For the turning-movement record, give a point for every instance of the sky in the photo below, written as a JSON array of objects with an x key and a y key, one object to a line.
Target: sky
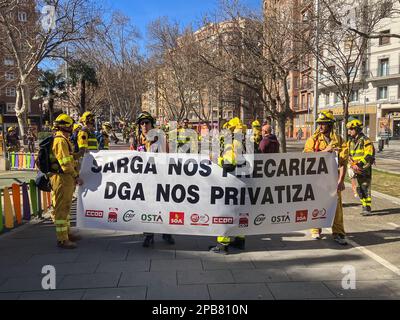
[{"x": 142, "y": 12}]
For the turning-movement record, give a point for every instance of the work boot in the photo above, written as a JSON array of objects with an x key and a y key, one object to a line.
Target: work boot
[
  {"x": 67, "y": 244},
  {"x": 74, "y": 237},
  {"x": 168, "y": 239},
  {"x": 238, "y": 243},
  {"x": 148, "y": 240},
  {"x": 366, "y": 211},
  {"x": 316, "y": 236},
  {"x": 340, "y": 238},
  {"x": 220, "y": 249}
]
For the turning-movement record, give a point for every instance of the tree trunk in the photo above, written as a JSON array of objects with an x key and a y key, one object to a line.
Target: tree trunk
[
  {"x": 282, "y": 133},
  {"x": 51, "y": 111},
  {"x": 345, "y": 117},
  {"x": 19, "y": 111},
  {"x": 83, "y": 96}
]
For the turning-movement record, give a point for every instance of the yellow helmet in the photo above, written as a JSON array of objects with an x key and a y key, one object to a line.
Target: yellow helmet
[
  {"x": 10, "y": 129},
  {"x": 233, "y": 123},
  {"x": 77, "y": 126},
  {"x": 64, "y": 120},
  {"x": 326, "y": 117},
  {"x": 107, "y": 126},
  {"x": 87, "y": 117},
  {"x": 256, "y": 124},
  {"x": 354, "y": 124}
]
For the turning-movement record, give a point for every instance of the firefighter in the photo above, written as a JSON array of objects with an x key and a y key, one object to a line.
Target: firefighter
[
  {"x": 145, "y": 123},
  {"x": 325, "y": 139},
  {"x": 229, "y": 159},
  {"x": 74, "y": 137},
  {"x": 12, "y": 140},
  {"x": 257, "y": 136},
  {"x": 103, "y": 136},
  {"x": 87, "y": 140},
  {"x": 361, "y": 158},
  {"x": 63, "y": 179},
  {"x": 183, "y": 137}
]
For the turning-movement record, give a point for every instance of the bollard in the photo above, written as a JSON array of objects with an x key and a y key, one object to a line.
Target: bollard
[
  {"x": 34, "y": 197},
  {"x": 8, "y": 211},
  {"x": 20, "y": 160},
  {"x": 32, "y": 161},
  {"x": 23, "y": 155},
  {"x": 40, "y": 207},
  {"x": 26, "y": 203},
  {"x": 44, "y": 201},
  {"x": 28, "y": 161},
  {"x": 16, "y": 195},
  {"x": 1, "y": 214},
  {"x": 16, "y": 160},
  {"x": 48, "y": 198},
  {"x": 12, "y": 157}
]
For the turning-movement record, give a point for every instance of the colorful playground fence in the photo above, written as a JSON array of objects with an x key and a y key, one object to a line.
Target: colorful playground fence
[
  {"x": 22, "y": 160},
  {"x": 21, "y": 202}
]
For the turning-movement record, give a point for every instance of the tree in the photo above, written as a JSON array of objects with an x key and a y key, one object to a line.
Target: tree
[
  {"x": 83, "y": 74},
  {"x": 259, "y": 56},
  {"x": 29, "y": 43},
  {"x": 120, "y": 68},
  {"x": 51, "y": 87}
]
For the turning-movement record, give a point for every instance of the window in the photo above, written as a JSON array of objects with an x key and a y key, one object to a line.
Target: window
[
  {"x": 215, "y": 114},
  {"x": 326, "y": 98},
  {"x": 22, "y": 16},
  {"x": 10, "y": 92},
  {"x": 337, "y": 98},
  {"x": 382, "y": 93},
  {"x": 384, "y": 40},
  {"x": 303, "y": 101},
  {"x": 296, "y": 102},
  {"x": 8, "y": 61},
  {"x": 383, "y": 67},
  {"x": 353, "y": 96},
  {"x": 10, "y": 76},
  {"x": 10, "y": 107}
]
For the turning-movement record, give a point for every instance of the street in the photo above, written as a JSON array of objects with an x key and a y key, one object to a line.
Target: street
[{"x": 114, "y": 265}]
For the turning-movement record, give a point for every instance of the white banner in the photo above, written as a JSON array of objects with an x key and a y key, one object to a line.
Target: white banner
[{"x": 188, "y": 194}]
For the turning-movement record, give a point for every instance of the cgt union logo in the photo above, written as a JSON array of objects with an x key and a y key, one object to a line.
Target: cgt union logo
[
  {"x": 94, "y": 214},
  {"x": 319, "y": 214},
  {"x": 128, "y": 216},
  {"x": 177, "y": 218},
  {"x": 243, "y": 220},
  {"x": 302, "y": 216},
  {"x": 259, "y": 219},
  {"x": 199, "y": 219},
  {"x": 113, "y": 215}
]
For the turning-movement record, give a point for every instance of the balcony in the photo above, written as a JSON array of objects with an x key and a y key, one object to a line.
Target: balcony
[
  {"x": 383, "y": 73},
  {"x": 307, "y": 85}
]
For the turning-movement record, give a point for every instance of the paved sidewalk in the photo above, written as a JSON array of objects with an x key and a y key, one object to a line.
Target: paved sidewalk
[{"x": 113, "y": 265}]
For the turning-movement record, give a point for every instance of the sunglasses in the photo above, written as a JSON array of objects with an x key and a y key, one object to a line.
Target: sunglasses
[{"x": 144, "y": 122}]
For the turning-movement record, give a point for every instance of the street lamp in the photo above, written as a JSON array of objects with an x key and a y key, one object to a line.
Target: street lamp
[{"x": 315, "y": 111}]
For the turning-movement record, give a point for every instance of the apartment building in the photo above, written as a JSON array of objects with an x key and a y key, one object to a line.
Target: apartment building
[
  {"x": 216, "y": 102},
  {"x": 375, "y": 98}
]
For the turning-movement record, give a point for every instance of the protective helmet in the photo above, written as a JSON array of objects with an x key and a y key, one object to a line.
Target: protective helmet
[
  {"x": 77, "y": 126},
  {"x": 145, "y": 116},
  {"x": 87, "y": 117},
  {"x": 107, "y": 125},
  {"x": 354, "y": 124},
  {"x": 64, "y": 121},
  {"x": 256, "y": 124},
  {"x": 233, "y": 123},
  {"x": 10, "y": 129},
  {"x": 326, "y": 117}
]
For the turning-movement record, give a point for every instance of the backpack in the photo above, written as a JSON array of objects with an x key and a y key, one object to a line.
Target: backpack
[{"x": 43, "y": 159}]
